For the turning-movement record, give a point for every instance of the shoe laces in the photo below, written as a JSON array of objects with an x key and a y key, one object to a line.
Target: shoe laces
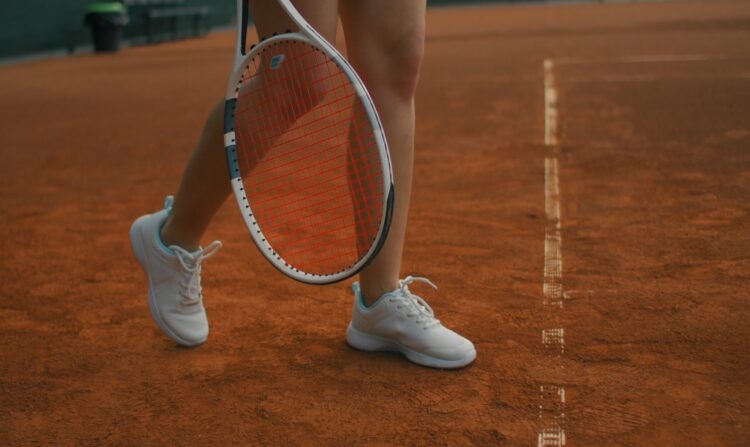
[
  {"x": 415, "y": 306},
  {"x": 191, "y": 291}
]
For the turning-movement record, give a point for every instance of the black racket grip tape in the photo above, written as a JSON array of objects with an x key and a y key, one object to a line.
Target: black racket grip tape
[{"x": 229, "y": 106}]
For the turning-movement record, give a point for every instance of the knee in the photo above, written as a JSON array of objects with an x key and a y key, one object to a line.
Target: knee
[
  {"x": 404, "y": 63},
  {"x": 393, "y": 64}
]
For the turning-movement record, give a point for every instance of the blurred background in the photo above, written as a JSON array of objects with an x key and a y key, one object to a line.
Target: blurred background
[{"x": 39, "y": 28}]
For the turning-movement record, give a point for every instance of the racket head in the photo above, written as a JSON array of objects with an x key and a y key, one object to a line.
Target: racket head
[{"x": 308, "y": 159}]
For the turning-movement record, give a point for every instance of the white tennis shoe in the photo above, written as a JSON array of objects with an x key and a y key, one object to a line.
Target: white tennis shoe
[
  {"x": 403, "y": 322},
  {"x": 174, "y": 279}
]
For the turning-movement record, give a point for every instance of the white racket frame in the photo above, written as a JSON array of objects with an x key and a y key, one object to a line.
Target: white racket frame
[{"x": 309, "y": 35}]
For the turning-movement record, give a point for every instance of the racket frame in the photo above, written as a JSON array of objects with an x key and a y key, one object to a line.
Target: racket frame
[{"x": 307, "y": 34}]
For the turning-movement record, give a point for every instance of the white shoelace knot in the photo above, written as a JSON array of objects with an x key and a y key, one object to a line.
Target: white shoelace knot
[
  {"x": 415, "y": 306},
  {"x": 190, "y": 284}
]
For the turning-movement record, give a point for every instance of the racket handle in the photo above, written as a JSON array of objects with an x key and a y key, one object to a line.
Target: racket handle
[{"x": 242, "y": 19}]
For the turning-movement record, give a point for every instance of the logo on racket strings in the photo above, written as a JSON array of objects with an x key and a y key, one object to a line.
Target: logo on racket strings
[{"x": 276, "y": 61}]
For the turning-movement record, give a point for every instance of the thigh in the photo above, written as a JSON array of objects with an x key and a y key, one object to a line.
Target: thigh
[{"x": 270, "y": 18}]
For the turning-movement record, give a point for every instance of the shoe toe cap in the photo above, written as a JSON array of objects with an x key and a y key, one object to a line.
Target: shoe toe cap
[
  {"x": 188, "y": 329},
  {"x": 459, "y": 349}
]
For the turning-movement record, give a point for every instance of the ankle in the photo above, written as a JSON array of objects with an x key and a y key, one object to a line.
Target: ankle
[
  {"x": 169, "y": 237},
  {"x": 372, "y": 291}
]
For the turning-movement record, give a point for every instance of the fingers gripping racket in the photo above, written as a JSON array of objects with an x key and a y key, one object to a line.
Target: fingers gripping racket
[{"x": 307, "y": 155}]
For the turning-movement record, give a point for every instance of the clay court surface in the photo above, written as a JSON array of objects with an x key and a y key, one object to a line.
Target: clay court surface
[{"x": 653, "y": 161}]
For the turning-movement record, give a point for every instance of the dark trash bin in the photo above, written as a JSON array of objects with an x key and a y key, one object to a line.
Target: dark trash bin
[{"x": 106, "y": 21}]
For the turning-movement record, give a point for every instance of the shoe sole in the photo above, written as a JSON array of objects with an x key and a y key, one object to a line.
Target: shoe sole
[
  {"x": 137, "y": 243},
  {"x": 366, "y": 342}
]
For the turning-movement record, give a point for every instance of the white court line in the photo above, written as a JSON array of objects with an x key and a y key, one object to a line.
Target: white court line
[
  {"x": 551, "y": 191},
  {"x": 550, "y": 105},
  {"x": 553, "y": 389},
  {"x": 552, "y": 400},
  {"x": 552, "y": 287},
  {"x": 551, "y": 437},
  {"x": 552, "y": 431},
  {"x": 554, "y": 338},
  {"x": 554, "y": 397}
]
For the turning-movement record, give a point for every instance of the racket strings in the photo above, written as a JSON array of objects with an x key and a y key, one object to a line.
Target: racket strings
[
  {"x": 286, "y": 156},
  {"x": 307, "y": 172},
  {"x": 312, "y": 165},
  {"x": 280, "y": 83}
]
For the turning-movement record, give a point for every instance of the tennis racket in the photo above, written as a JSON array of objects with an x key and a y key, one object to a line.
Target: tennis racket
[{"x": 307, "y": 156}]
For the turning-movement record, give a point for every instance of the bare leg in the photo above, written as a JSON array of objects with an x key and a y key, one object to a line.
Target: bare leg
[
  {"x": 205, "y": 184},
  {"x": 385, "y": 43}
]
